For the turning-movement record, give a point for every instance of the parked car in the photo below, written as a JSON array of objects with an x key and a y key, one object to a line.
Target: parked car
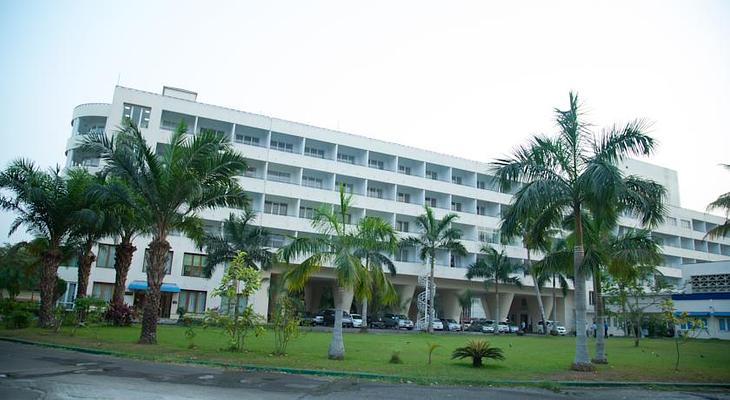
[
  {"x": 438, "y": 325},
  {"x": 307, "y": 319},
  {"x": 384, "y": 321},
  {"x": 553, "y": 325},
  {"x": 561, "y": 330},
  {"x": 404, "y": 322},
  {"x": 475, "y": 325},
  {"x": 328, "y": 318},
  {"x": 513, "y": 328},
  {"x": 489, "y": 326},
  {"x": 451, "y": 325},
  {"x": 502, "y": 327},
  {"x": 319, "y": 318},
  {"x": 356, "y": 320}
]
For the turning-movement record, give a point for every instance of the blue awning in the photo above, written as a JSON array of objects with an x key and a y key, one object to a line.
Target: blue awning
[
  {"x": 166, "y": 287},
  {"x": 694, "y": 313},
  {"x": 721, "y": 314}
]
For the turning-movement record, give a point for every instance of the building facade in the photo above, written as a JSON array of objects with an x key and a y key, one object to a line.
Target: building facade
[{"x": 293, "y": 168}]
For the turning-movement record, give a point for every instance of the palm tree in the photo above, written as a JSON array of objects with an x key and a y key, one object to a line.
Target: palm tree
[
  {"x": 46, "y": 203},
  {"x": 190, "y": 174},
  {"x": 239, "y": 235},
  {"x": 574, "y": 172},
  {"x": 434, "y": 235},
  {"x": 465, "y": 299},
  {"x": 335, "y": 246},
  {"x": 376, "y": 241},
  {"x": 557, "y": 271},
  {"x": 496, "y": 268},
  {"x": 721, "y": 203}
]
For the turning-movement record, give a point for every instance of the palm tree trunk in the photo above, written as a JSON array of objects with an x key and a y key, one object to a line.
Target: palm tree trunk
[
  {"x": 540, "y": 306},
  {"x": 364, "y": 315},
  {"x": 84, "y": 270},
  {"x": 159, "y": 247},
  {"x": 555, "y": 304},
  {"x": 498, "y": 314},
  {"x": 581, "y": 362},
  {"x": 600, "y": 356},
  {"x": 336, "y": 350},
  {"x": 122, "y": 261},
  {"x": 50, "y": 258},
  {"x": 432, "y": 298}
]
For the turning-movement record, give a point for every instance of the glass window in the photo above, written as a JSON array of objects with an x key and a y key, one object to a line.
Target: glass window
[
  {"x": 193, "y": 264},
  {"x": 67, "y": 301},
  {"x": 139, "y": 115},
  {"x": 401, "y": 226},
  {"x": 481, "y": 185},
  {"x": 456, "y": 180},
  {"x": 193, "y": 301},
  {"x": 376, "y": 164},
  {"x": 306, "y": 212},
  {"x": 282, "y": 146},
  {"x": 455, "y": 206},
  {"x": 347, "y": 158},
  {"x": 311, "y": 181},
  {"x": 105, "y": 258},
  {"x": 431, "y": 201},
  {"x": 168, "y": 264},
  {"x": 404, "y": 197},
  {"x": 432, "y": 175},
  {"x": 375, "y": 192},
  {"x": 313, "y": 152},
  {"x": 404, "y": 170},
  {"x": 103, "y": 291},
  {"x": 725, "y": 324},
  {"x": 348, "y": 187},
  {"x": 279, "y": 176},
  {"x": 250, "y": 172},
  {"x": 271, "y": 207}
]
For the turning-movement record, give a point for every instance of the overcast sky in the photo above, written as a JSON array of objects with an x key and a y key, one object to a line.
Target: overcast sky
[{"x": 471, "y": 79}]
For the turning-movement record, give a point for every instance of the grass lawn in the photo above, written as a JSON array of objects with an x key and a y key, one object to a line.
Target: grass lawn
[{"x": 527, "y": 358}]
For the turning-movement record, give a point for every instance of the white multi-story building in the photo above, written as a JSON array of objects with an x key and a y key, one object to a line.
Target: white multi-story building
[{"x": 293, "y": 168}]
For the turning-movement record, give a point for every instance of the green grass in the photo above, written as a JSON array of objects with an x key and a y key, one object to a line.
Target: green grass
[{"x": 527, "y": 358}]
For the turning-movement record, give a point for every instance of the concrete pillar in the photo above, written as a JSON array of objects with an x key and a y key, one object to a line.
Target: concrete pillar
[
  {"x": 450, "y": 304},
  {"x": 406, "y": 295},
  {"x": 316, "y": 297},
  {"x": 547, "y": 302},
  {"x": 505, "y": 302},
  {"x": 487, "y": 306},
  {"x": 308, "y": 298},
  {"x": 260, "y": 299},
  {"x": 566, "y": 312}
]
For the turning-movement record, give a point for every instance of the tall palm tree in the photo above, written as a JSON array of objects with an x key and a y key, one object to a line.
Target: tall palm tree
[
  {"x": 190, "y": 174},
  {"x": 557, "y": 271},
  {"x": 496, "y": 268},
  {"x": 376, "y": 241},
  {"x": 46, "y": 204},
  {"x": 721, "y": 203},
  {"x": 239, "y": 234},
  {"x": 335, "y": 246},
  {"x": 434, "y": 235},
  {"x": 577, "y": 171}
]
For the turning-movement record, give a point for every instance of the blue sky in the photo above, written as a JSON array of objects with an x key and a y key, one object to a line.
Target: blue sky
[{"x": 472, "y": 79}]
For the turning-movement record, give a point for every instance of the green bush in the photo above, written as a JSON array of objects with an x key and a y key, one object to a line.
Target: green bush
[
  {"x": 395, "y": 358},
  {"x": 18, "y": 319},
  {"x": 476, "y": 350}
]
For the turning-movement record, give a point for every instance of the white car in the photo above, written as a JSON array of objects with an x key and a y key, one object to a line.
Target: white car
[
  {"x": 404, "y": 322},
  {"x": 452, "y": 325},
  {"x": 356, "y": 320},
  {"x": 502, "y": 327},
  {"x": 561, "y": 330},
  {"x": 488, "y": 326},
  {"x": 438, "y": 325},
  {"x": 553, "y": 325}
]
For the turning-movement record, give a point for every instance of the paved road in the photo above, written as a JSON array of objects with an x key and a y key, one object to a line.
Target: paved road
[{"x": 30, "y": 372}]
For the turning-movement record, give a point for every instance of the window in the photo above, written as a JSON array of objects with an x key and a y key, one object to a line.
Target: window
[
  {"x": 193, "y": 264},
  {"x": 671, "y": 221},
  {"x": 346, "y": 158},
  {"x": 591, "y": 297},
  {"x": 455, "y": 261},
  {"x": 306, "y": 212},
  {"x": 402, "y": 169},
  {"x": 456, "y": 180},
  {"x": 431, "y": 201},
  {"x": 250, "y": 172},
  {"x": 139, "y": 115},
  {"x": 105, "y": 257},
  {"x": 313, "y": 152},
  {"x": 432, "y": 175},
  {"x": 481, "y": 210},
  {"x": 277, "y": 241},
  {"x": 348, "y": 187},
  {"x": 401, "y": 226},
  {"x": 103, "y": 291},
  {"x": 404, "y": 197},
  {"x": 488, "y": 236},
  {"x": 213, "y": 131},
  {"x": 455, "y": 206},
  {"x": 481, "y": 185},
  {"x": 68, "y": 299},
  {"x": 686, "y": 224},
  {"x": 375, "y": 192},
  {"x": 168, "y": 264},
  {"x": 272, "y": 207},
  {"x": 724, "y": 324},
  {"x": 376, "y": 164},
  {"x": 282, "y": 146},
  {"x": 279, "y": 176},
  {"x": 249, "y": 140},
  {"x": 193, "y": 301},
  {"x": 348, "y": 219},
  {"x": 401, "y": 255},
  {"x": 311, "y": 181}
]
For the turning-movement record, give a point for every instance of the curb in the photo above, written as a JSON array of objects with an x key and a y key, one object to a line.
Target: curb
[{"x": 369, "y": 375}]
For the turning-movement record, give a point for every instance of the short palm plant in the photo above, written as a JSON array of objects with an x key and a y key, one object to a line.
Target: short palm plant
[{"x": 477, "y": 350}]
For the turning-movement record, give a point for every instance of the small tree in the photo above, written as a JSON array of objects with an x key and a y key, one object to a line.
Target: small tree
[
  {"x": 239, "y": 282},
  {"x": 285, "y": 323},
  {"x": 690, "y": 327},
  {"x": 476, "y": 350}
]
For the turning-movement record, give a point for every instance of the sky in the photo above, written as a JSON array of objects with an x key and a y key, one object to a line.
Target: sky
[{"x": 467, "y": 78}]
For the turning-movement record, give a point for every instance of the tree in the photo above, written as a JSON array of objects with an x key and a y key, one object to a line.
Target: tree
[
  {"x": 376, "y": 240},
  {"x": 495, "y": 268},
  {"x": 239, "y": 234},
  {"x": 721, "y": 203},
  {"x": 45, "y": 203},
  {"x": 190, "y": 174},
  {"x": 690, "y": 327},
  {"x": 335, "y": 246},
  {"x": 18, "y": 269},
  {"x": 464, "y": 298},
  {"x": 577, "y": 171},
  {"x": 434, "y": 235}
]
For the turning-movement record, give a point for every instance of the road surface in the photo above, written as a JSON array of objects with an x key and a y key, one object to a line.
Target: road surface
[{"x": 31, "y": 372}]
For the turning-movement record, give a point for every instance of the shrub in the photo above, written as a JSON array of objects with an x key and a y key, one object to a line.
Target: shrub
[
  {"x": 476, "y": 350},
  {"x": 431, "y": 348},
  {"x": 395, "y": 358},
  {"x": 285, "y": 323},
  {"x": 18, "y": 319},
  {"x": 119, "y": 314}
]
